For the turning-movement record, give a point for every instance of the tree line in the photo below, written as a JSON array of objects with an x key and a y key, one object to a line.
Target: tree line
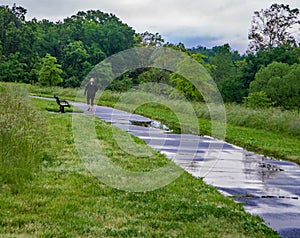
[{"x": 62, "y": 53}]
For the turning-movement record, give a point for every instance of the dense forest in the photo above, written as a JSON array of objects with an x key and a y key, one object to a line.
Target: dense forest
[{"x": 62, "y": 53}]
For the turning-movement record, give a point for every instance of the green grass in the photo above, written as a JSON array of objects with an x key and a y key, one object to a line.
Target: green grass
[
  {"x": 271, "y": 132},
  {"x": 21, "y": 131},
  {"x": 69, "y": 93},
  {"x": 52, "y": 106},
  {"x": 65, "y": 200},
  {"x": 276, "y": 144}
]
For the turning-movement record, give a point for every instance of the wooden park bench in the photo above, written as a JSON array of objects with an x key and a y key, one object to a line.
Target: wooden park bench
[{"x": 62, "y": 104}]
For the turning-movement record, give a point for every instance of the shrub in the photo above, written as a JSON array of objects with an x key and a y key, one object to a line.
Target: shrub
[{"x": 258, "y": 100}]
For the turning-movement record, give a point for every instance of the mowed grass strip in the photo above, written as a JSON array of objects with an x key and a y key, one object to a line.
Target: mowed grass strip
[{"x": 65, "y": 200}]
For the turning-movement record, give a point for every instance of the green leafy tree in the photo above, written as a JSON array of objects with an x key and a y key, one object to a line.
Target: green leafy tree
[
  {"x": 223, "y": 63},
  {"x": 50, "y": 72},
  {"x": 252, "y": 63},
  {"x": 232, "y": 90},
  {"x": 95, "y": 54},
  {"x": 34, "y": 72},
  {"x": 285, "y": 90},
  {"x": 106, "y": 30},
  {"x": 186, "y": 88},
  {"x": 273, "y": 27},
  {"x": 78, "y": 43},
  {"x": 118, "y": 37},
  {"x": 225, "y": 66},
  {"x": 15, "y": 34},
  {"x": 281, "y": 83},
  {"x": 189, "y": 88},
  {"x": 264, "y": 75},
  {"x": 121, "y": 84},
  {"x": 11, "y": 69},
  {"x": 49, "y": 38},
  {"x": 75, "y": 63},
  {"x": 16, "y": 39}
]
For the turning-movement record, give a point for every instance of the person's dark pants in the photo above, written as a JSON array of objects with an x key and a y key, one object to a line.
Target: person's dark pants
[{"x": 90, "y": 99}]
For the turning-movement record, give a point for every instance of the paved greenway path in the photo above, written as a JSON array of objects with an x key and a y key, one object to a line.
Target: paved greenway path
[{"x": 268, "y": 188}]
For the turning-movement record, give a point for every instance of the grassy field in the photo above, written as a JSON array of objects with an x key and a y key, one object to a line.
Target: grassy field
[
  {"x": 63, "y": 199},
  {"x": 271, "y": 132}
]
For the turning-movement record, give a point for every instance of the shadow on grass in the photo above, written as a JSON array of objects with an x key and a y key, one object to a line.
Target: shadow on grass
[
  {"x": 54, "y": 108},
  {"x": 67, "y": 110}
]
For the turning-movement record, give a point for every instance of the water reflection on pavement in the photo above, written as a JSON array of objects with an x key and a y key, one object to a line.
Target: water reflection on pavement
[{"x": 268, "y": 188}]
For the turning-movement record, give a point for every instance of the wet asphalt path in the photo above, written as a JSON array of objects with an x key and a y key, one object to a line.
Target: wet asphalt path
[{"x": 268, "y": 188}]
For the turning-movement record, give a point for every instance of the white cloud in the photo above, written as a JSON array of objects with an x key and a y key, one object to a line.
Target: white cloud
[{"x": 218, "y": 21}]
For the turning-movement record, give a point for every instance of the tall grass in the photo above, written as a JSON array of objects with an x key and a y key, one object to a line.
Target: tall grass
[
  {"x": 50, "y": 91},
  {"x": 21, "y": 136},
  {"x": 270, "y": 119}
]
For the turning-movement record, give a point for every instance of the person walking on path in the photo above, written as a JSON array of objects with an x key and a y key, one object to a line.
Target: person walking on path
[{"x": 90, "y": 92}]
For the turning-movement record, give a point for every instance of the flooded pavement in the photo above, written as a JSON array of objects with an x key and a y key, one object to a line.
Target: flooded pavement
[{"x": 267, "y": 188}]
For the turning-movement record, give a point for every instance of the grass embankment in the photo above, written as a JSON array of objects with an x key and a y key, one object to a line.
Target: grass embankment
[{"x": 65, "y": 200}]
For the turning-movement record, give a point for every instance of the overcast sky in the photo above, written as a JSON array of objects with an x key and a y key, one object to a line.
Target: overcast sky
[{"x": 192, "y": 22}]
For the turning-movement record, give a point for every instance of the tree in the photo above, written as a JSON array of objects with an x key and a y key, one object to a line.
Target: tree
[
  {"x": 285, "y": 90},
  {"x": 11, "y": 69},
  {"x": 96, "y": 55},
  {"x": 49, "y": 38},
  {"x": 75, "y": 64},
  {"x": 15, "y": 35},
  {"x": 232, "y": 89},
  {"x": 281, "y": 83},
  {"x": 49, "y": 74},
  {"x": 16, "y": 43},
  {"x": 253, "y": 62},
  {"x": 190, "y": 88},
  {"x": 223, "y": 63},
  {"x": 148, "y": 39},
  {"x": 117, "y": 37},
  {"x": 273, "y": 27},
  {"x": 106, "y": 30},
  {"x": 78, "y": 43}
]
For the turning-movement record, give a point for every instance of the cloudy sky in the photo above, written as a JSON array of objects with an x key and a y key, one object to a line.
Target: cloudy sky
[{"x": 192, "y": 22}]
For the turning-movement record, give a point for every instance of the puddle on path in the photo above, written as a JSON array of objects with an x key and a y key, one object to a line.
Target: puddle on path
[{"x": 268, "y": 188}]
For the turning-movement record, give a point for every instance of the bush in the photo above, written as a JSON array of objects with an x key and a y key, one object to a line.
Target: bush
[{"x": 258, "y": 100}]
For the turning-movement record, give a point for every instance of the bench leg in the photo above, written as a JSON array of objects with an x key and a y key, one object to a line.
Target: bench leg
[{"x": 62, "y": 109}]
